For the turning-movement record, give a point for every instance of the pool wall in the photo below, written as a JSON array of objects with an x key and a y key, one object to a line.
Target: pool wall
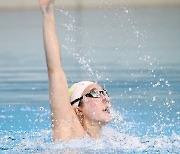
[{"x": 26, "y": 4}]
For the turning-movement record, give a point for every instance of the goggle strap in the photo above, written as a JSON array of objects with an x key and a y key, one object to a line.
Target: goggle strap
[
  {"x": 76, "y": 100},
  {"x": 104, "y": 92}
]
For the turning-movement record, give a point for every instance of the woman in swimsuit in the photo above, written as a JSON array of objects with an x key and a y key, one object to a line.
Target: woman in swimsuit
[{"x": 76, "y": 112}]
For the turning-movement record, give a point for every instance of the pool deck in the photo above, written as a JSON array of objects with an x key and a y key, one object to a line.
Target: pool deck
[{"x": 75, "y": 4}]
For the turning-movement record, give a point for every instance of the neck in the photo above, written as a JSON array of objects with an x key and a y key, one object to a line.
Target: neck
[{"x": 92, "y": 128}]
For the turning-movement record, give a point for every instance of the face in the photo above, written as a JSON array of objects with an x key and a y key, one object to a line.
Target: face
[{"x": 96, "y": 109}]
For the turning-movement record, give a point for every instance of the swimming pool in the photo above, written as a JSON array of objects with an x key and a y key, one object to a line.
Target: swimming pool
[{"x": 134, "y": 53}]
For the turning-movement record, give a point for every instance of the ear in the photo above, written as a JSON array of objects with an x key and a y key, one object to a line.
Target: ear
[{"x": 78, "y": 110}]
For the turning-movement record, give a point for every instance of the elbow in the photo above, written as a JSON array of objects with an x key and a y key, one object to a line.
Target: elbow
[
  {"x": 51, "y": 70},
  {"x": 57, "y": 73},
  {"x": 54, "y": 70}
]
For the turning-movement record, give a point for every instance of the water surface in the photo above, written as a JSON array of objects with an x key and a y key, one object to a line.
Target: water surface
[{"x": 134, "y": 53}]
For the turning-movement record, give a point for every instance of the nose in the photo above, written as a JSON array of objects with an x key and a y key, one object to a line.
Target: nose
[{"x": 105, "y": 99}]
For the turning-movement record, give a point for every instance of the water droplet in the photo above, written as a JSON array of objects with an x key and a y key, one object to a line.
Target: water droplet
[
  {"x": 41, "y": 108},
  {"x": 126, "y": 11}
]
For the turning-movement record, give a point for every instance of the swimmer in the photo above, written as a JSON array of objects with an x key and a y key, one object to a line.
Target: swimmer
[{"x": 76, "y": 112}]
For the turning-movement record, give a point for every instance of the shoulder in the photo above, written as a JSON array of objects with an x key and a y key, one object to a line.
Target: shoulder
[{"x": 69, "y": 128}]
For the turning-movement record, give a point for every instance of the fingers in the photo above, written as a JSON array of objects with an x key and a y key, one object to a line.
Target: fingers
[
  {"x": 46, "y": 5},
  {"x": 50, "y": 6}
]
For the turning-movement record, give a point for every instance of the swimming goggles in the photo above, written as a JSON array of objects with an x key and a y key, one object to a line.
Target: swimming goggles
[{"x": 94, "y": 93}]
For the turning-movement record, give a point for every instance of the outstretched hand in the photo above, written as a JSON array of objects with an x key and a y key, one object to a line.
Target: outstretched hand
[{"x": 46, "y": 6}]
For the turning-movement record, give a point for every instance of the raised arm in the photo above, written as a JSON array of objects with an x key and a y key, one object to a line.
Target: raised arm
[
  {"x": 51, "y": 44},
  {"x": 61, "y": 110}
]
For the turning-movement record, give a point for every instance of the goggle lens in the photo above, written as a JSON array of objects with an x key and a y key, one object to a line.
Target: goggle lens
[
  {"x": 96, "y": 93},
  {"x": 93, "y": 93}
]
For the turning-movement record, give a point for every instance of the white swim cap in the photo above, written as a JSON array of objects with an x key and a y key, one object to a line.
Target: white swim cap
[{"x": 76, "y": 90}]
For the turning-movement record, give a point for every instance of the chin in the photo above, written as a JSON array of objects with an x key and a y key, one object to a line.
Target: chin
[{"x": 106, "y": 120}]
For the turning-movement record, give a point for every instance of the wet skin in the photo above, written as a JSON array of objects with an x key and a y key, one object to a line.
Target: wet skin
[{"x": 96, "y": 109}]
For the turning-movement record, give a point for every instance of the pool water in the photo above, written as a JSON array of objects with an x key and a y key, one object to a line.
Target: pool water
[{"x": 133, "y": 53}]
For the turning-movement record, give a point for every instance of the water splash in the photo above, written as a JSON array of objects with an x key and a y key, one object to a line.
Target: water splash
[
  {"x": 112, "y": 140},
  {"x": 83, "y": 58}
]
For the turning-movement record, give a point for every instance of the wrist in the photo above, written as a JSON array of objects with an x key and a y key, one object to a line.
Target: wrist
[
  {"x": 49, "y": 9},
  {"x": 48, "y": 15}
]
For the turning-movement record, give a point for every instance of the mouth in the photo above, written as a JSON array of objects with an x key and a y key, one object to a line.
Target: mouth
[{"x": 107, "y": 110}]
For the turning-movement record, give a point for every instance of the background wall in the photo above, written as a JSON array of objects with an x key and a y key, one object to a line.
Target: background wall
[{"x": 33, "y": 4}]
